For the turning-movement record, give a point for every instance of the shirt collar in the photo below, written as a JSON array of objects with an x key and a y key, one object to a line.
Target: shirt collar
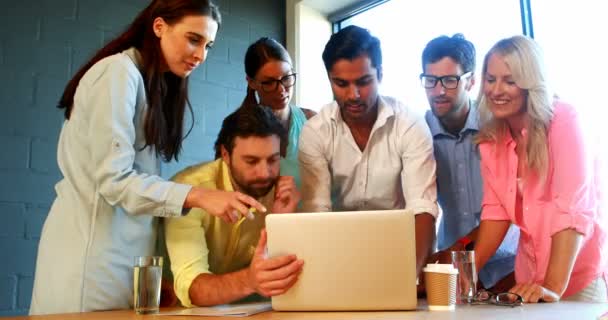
[
  {"x": 471, "y": 123},
  {"x": 508, "y": 138},
  {"x": 384, "y": 112},
  {"x": 223, "y": 180},
  {"x": 135, "y": 56}
]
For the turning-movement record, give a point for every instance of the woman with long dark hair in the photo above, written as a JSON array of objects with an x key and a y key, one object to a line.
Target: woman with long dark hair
[
  {"x": 270, "y": 79},
  {"x": 124, "y": 113}
]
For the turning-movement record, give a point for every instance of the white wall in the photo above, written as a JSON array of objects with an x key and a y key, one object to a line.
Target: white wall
[{"x": 307, "y": 32}]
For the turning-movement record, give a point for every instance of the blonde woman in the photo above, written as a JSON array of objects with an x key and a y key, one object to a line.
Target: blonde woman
[{"x": 539, "y": 174}]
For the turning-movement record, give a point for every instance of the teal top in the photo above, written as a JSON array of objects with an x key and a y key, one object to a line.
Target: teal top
[{"x": 289, "y": 165}]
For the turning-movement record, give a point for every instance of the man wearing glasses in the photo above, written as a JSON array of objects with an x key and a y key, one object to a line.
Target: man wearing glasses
[
  {"x": 365, "y": 151},
  {"x": 448, "y": 65}
]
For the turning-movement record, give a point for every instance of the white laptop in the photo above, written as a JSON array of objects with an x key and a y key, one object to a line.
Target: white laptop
[{"x": 363, "y": 260}]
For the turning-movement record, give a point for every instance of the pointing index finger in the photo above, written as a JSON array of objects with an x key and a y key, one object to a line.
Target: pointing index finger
[{"x": 251, "y": 202}]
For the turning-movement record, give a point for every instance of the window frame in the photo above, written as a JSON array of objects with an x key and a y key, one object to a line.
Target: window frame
[{"x": 337, "y": 19}]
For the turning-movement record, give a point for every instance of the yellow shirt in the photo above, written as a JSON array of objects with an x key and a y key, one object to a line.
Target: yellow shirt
[{"x": 201, "y": 243}]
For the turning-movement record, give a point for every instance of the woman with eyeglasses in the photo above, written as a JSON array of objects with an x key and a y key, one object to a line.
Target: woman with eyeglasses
[
  {"x": 270, "y": 77},
  {"x": 539, "y": 173}
]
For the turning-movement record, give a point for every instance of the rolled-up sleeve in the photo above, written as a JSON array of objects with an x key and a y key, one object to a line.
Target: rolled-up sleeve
[
  {"x": 114, "y": 98},
  {"x": 186, "y": 239},
  {"x": 314, "y": 171},
  {"x": 573, "y": 182},
  {"x": 188, "y": 252},
  {"x": 491, "y": 207},
  {"x": 418, "y": 176}
]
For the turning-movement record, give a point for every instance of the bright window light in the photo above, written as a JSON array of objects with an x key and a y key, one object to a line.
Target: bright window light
[
  {"x": 574, "y": 49},
  {"x": 405, "y": 27}
]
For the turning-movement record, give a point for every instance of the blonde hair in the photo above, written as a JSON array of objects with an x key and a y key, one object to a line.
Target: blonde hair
[{"x": 524, "y": 59}]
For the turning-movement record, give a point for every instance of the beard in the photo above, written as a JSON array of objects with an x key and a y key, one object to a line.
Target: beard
[
  {"x": 262, "y": 188},
  {"x": 254, "y": 188}
]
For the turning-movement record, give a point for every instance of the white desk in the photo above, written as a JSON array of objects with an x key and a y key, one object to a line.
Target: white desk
[{"x": 540, "y": 311}]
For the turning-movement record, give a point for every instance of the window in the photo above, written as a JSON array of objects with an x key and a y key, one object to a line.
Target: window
[
  {"x": 405, "y": 27},
  {"x": 571, "y": 35}
]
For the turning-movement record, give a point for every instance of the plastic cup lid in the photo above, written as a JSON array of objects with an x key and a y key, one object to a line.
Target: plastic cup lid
[{"x": 440, "y": 268}]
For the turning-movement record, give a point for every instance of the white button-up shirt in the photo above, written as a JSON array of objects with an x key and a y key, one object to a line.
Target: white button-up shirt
[{"x": 395, "y": 170}]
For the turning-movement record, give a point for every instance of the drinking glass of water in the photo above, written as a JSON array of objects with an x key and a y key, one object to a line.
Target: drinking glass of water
[
  {"x": 464, "y": 261},
  {"x": 147, "y": 275}
]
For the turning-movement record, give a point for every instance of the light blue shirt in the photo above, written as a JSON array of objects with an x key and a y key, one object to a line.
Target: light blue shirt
[
  {"x": 107, "y": 202},
  {"x": 460, "y": 190}
]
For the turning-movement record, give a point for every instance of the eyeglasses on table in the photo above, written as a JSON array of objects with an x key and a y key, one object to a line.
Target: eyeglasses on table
[{"x": 507, "y": 299}]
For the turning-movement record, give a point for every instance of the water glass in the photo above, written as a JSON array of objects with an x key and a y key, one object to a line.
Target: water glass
[
  {"x": 464, "y": 261},
  {"x": 147, "y": 276}
]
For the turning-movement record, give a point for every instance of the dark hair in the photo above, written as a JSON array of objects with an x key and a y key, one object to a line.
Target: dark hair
[
  {"x": 167, "y": 94},
  {"x": 247, "y": 121},
  {"x": 258, "y": 54},
  {"x": 351, "y": 43},
  {"x": 459, "y": 49}
]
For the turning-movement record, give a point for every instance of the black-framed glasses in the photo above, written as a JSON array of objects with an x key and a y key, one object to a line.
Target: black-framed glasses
[
  {"x": 507, "y": 299},
  {"x": 271, "y": 85},
  {"x": 449, "y": 82}
]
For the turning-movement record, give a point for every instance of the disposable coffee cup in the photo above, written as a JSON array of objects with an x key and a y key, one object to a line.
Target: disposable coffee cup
[{"x": 440, "y": 282}]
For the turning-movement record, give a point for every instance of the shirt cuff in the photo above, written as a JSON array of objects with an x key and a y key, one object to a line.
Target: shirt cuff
[
  {"x": 493, "y": 212},
  {"x": 174, "y": 206},
  {"x": 423, "y": 206},
  {"x": 580, "y": 222}
]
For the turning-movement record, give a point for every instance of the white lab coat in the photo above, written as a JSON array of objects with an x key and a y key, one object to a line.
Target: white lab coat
[{"x": 104, "y": 212}]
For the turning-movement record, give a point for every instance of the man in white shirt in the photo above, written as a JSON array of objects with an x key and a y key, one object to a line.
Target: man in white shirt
[{"x": 365, "y": 151}]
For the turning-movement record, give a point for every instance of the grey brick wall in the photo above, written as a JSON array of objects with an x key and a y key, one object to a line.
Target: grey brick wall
[{"x": 42, "y": 42}]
